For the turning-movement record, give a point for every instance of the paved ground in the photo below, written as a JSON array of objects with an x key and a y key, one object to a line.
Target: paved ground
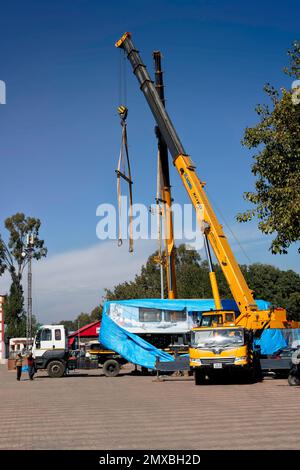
[{"x": 135, "y": 412}]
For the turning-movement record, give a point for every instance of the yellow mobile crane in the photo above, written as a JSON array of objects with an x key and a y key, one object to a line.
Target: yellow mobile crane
[{"x": 223, "y": 338}]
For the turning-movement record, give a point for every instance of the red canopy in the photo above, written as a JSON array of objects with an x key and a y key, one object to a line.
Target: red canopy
[{"x": 87, "y": 331}]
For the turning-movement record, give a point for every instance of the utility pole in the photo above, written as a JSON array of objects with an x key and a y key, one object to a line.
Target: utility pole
[
  {"x": 78, "y": 334},
  {"x": 28, "y": 251}
]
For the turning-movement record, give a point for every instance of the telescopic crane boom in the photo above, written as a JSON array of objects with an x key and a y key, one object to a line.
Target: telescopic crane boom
[{"x": 250, "y": 316}]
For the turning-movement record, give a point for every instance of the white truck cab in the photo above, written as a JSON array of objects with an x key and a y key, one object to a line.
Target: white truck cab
[
  {"x": 50, "y": 349},
  {"x": 49, "y": 337}
]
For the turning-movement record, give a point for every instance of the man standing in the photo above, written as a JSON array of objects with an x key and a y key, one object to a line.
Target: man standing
[
  {"x": 18, "y": 365},
  {"x": 31, "y": 366}
]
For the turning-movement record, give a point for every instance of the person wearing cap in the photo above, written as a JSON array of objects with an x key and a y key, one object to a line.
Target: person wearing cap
[{"x": 18, "y": 365}]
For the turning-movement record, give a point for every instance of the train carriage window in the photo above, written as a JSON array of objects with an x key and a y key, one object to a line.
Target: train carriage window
[
  {"x": 175, "y": 316},
  {"x": 150, "y": 315}
]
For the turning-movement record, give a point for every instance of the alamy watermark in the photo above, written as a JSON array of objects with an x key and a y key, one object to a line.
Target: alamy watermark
[
  {"x": 145, "y": 222},
  {"x": 296, "y": 92},
  {"x": 2, "y": 92}
]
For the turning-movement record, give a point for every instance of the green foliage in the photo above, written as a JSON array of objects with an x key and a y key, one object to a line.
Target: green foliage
[
  {"x": 68, "y": 324},
  {"x": 96, "y": 314},
  {"x": 276, "y": 166},
  {"x": 191, "y": 273},
  {"x": 145, "y": 285},
  {"x": 294, "y": 54},
  {"x": 15, "y": 318},
  {"x": 83, "y": 319},
  {"x": 14, "y": 256},
  {"x": 281, "y": 288},
  {"x": 293, "y": 306}
]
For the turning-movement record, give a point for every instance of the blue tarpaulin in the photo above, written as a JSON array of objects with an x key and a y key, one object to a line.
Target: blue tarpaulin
[
  {"x": 272, "y": 340},
  {"x": 138, "y": 351},
  {"x": 191, "y": 305},
  {"x": 128, "y": 345}
]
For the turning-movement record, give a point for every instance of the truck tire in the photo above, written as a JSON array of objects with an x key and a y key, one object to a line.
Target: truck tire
[
  {"x": 254, "y": 374},
  {"x": 293, "y": 380},
  {"x": 199, "y": 377},
  {"x": 258, "y": 374},
  {"x": 111, "y": 368},
  {"x": 55, "y": 369}
]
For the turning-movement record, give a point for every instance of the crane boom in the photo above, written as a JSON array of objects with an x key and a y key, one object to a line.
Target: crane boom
[{"x": 195, "y": 188}]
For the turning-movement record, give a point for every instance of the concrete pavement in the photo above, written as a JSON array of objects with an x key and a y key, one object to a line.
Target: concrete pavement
[{"x": 135, "y": 412}]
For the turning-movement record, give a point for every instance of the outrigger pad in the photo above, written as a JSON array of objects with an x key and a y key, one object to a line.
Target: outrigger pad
[{"x": 179, "y": 363}]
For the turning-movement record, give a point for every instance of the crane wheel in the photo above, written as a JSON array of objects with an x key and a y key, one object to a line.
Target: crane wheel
[{"x": 199, "y": 377}]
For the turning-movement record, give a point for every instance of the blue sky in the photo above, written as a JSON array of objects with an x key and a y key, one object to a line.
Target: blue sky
[{"x": 60, "y": 133}]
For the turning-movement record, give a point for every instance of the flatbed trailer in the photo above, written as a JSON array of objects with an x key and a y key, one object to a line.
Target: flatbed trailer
[{"x": 279, "y": 367}]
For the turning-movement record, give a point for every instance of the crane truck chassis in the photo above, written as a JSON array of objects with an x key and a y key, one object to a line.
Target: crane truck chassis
[
  {"x": 224, "y": 351},
  {"x": 215, "y": 353}
]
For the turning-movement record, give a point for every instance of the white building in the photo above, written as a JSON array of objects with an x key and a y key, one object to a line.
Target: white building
[{"x": 16, "y": 345}]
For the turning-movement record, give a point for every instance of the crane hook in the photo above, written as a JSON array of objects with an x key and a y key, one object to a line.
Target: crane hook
[{"x": 123, "y": 112}]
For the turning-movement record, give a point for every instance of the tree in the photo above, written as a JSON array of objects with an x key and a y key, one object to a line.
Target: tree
[
  {"x": 14, "y": 315},
  {"x": 145, "y": 285},
  {"x": 14, "y": 256},
  {"x": 96, "y": 313},
  {"x": 191, "y": 273},
  {"x": 293, "y": 306},
  {"x": 69, "y": 325},
  {"x": 83, "y": 319},
  {"x": 277, "y": 164}
]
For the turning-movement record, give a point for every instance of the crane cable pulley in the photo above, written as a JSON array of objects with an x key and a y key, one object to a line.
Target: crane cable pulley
[{"x": 121, "y": 173}]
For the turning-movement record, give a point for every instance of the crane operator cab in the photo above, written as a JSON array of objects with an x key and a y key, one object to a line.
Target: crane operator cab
[{"x": 215, "y": 318}]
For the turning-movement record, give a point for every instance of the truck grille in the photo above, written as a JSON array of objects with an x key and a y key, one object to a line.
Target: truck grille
[{"x": 222, "y": 360}]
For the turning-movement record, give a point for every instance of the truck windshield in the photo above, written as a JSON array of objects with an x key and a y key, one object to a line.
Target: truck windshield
[
  {"x": 218, "y": 337},
  {"x": 208, "y": 320}
]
